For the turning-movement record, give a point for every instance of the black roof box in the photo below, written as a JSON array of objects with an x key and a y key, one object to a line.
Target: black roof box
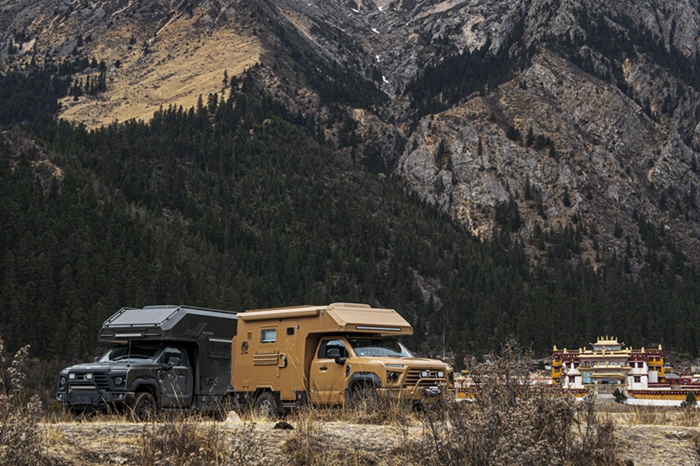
[{"x": 182, "y": 323}]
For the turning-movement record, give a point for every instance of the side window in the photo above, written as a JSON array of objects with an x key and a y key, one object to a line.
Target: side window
[
  {"x": 220, "y": 349},
  {"x": 268, "y": 335},
  {"x": 330, "y": 345}
]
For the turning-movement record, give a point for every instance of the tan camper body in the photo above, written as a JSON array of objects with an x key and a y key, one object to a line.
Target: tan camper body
[{"x": 288, "y": 356}]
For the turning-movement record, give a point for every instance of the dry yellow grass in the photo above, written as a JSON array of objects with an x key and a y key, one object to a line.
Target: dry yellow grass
[
  {"x": 117, "y": 442},
  {"x": 185, "y": 61}
]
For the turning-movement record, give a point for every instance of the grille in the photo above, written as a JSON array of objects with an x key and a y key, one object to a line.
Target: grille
[
  {"x": 413, "y": 378},
  {"x": 99, "y": 380}
]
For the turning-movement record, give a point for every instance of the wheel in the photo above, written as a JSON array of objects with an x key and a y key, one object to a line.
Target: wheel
[
  {"x": 266, "y": 405},
  {"x": 143, "y": 408}
]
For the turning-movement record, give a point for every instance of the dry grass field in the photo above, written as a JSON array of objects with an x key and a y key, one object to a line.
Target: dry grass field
[
  {"x": 183, "y": 61},
  {"x": 644, "y": 436}
]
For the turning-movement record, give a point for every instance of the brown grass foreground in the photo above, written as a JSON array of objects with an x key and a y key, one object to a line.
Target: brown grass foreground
[{"x": 504, "y": 425}]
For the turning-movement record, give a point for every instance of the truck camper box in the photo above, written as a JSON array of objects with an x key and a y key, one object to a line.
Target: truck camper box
[
  {"x": 206, "y": 332},
  {"x": 337, "y": 317}
]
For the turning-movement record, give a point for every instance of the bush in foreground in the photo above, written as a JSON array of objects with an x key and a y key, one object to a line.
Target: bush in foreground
[
  {"x": 21, "y": 441},
  {"x": 512, "y": 422}
]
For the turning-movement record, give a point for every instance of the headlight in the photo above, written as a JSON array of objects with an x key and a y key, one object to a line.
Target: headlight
[
  {"x": 88, "y": 376},
  {"x": 425, "y": 374},
  {"x": 62, "y": 381},
  {"x": 118, "y": 381},
  {"x": 71, "y": 376},
  {"x": 440, "y": 374},
  {"x": 392, "y": 376}
]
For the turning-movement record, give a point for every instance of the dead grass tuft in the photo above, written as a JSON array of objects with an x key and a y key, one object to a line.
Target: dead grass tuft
[
  {"x": 184, "y": 440},
  {"x": 310, "y": 444},
  {"x": 689, "y": 416},
  {"x": 370, "y": 407},
  {"x": 646, "y": 415}
]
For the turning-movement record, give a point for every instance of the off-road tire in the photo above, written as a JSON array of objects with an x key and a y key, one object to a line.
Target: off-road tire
[
  {"x": 143, "y": 408},
  {"x": 266, "y": 405}
]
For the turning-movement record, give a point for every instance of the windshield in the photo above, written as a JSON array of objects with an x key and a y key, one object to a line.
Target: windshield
[
  {"x": 136, "y": 353},
  {"x": 383, "y": 347}
]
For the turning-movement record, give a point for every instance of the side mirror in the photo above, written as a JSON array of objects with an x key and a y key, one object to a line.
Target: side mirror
[
  {"x": 340, "y": 361},
  {"x": 95, "y": 359},
  {"x": 334, "y": 353},
  {"x": 173, "y": 361}
]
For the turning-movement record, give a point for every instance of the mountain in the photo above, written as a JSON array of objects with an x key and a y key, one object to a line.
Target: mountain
[
  {"x": 601, "y": 99},
  {"x": 555, "y": 144}
]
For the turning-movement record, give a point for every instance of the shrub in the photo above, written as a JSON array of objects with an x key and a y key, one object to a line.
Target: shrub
[
  {"x": 619, "y": 396},
  {"x": 512, "y": 133},
  {"x": 21, "y": 441},
  {"x": 512, "y": 422},
  {"x": 690, "y": 401}
]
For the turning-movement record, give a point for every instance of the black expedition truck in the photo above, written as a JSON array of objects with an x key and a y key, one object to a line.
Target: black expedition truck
[{"x": 163, "y": 357}]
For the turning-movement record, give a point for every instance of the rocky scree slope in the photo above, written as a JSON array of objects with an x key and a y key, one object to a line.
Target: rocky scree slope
[{"x": 601, "y": 100}]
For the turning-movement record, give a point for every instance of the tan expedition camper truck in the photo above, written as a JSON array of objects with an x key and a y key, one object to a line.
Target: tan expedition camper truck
[{"x": 285, "y": 357}]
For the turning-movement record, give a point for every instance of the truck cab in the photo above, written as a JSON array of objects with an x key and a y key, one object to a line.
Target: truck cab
[
  {"x": 345, "y": 365},
  {"x": 326, "y": 355},
  {"x": 162, "y": 357}
]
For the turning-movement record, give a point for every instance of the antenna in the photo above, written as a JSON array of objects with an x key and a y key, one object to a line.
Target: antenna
[{"x": 443, "y": 341}]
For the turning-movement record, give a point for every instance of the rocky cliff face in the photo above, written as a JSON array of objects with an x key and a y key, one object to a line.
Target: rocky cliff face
[
  {"x": 607, "y": 162},
  {"x": 590, "y": 128},
  {"x": 605, "y": 121}
]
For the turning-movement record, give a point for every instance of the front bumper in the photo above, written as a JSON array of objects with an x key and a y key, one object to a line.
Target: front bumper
[
  {"x": 83, "y": 398},
  {"x": 426, "y": 392}
]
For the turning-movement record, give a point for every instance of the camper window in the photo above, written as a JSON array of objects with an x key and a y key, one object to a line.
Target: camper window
[
  {"x": 268, "y": 335},
  {"x": 220, "y": 349}
]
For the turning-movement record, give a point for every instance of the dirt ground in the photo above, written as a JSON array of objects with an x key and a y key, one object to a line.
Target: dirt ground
[
  {"x": 120, "y": 442},
  {"x": 116, "y": 442}
]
